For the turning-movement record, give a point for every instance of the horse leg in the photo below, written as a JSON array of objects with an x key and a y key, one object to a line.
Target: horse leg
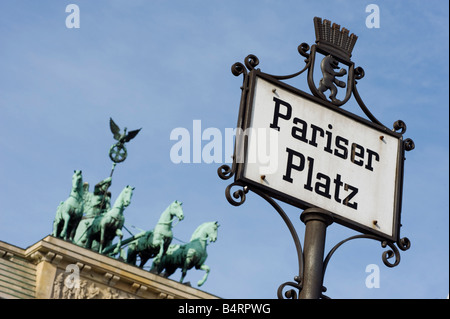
[
  {"x": 71, "y": 234},
  {"x": 190, "y": 255},
  {"x": 57, "y": 220},
  {"x": 88, "y": 243},
  {"x": 164, "y": 264},
  {"x": 119, "y": 243},
  {"x": 158, "y": 257},
  {"x": 143, "y": 261},
  {"x": 169, "y": 270},
  {"x": 56, "y": 226},
  {"x": 102, "y": 237},
  {"x": 183, "y": 273},
  {"x": 157, "y": 268},
  {"x": 131, "y": 254},
  {"x": 205, "y": 276},
  {"x": 66, "y": 218}
]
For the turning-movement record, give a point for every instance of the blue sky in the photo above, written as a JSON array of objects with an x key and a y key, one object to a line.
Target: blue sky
[{"x": 161, "y": 65}]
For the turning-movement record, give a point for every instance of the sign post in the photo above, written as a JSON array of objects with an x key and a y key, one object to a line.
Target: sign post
[
  {"x": 306, "y": 151},
  {"x": 316, "y": 221}
]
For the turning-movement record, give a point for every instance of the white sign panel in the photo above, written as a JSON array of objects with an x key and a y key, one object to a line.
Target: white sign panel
[{"x": 308, "y": 154}]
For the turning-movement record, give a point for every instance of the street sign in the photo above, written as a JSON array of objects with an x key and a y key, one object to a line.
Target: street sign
[{"x": 307, "y": 152}]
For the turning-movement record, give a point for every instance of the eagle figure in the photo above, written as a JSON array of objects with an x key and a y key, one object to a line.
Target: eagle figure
[{"x": 122, "y": 138}]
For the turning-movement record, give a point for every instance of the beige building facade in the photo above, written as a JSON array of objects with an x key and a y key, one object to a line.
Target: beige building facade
[{"x": 55, "y": 269}]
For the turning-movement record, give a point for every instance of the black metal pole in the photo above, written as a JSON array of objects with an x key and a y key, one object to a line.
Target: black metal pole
[{"x": 316, "y": 221}]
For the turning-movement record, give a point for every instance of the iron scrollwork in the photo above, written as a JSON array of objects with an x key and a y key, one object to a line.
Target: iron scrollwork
[
  {"x": 237, "y": 198},
  {"x": 291, "y": 293},
  {"x": 403, "y": 244}
]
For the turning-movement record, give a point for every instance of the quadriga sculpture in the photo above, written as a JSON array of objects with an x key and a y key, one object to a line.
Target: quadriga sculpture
[
  {"x": 105, "y": 227},
  {"x": 154, "y": 243},
  {"x": 69, "y": 212},
  {"x": 192, "y": 254}
]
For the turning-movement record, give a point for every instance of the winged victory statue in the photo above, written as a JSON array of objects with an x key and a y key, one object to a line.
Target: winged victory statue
[{"x": 118, "y": 152}]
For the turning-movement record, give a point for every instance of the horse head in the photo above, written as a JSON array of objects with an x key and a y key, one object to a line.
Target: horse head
[
  {"x": 176, "y": 210},
  {"x": 212, "y": 231},
  {"x": 125, "y": 195},
  {"x": 205, "y": 231},
  {"x": 124, "y": 198},
  {"x": 77, "y": 180}
]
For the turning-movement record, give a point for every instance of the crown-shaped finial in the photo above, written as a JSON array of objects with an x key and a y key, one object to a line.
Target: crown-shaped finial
[{"x": 332, "y": 39}]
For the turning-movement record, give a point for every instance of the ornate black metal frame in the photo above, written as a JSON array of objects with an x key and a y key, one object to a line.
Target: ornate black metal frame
[{"x": 238, "y": 197}]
